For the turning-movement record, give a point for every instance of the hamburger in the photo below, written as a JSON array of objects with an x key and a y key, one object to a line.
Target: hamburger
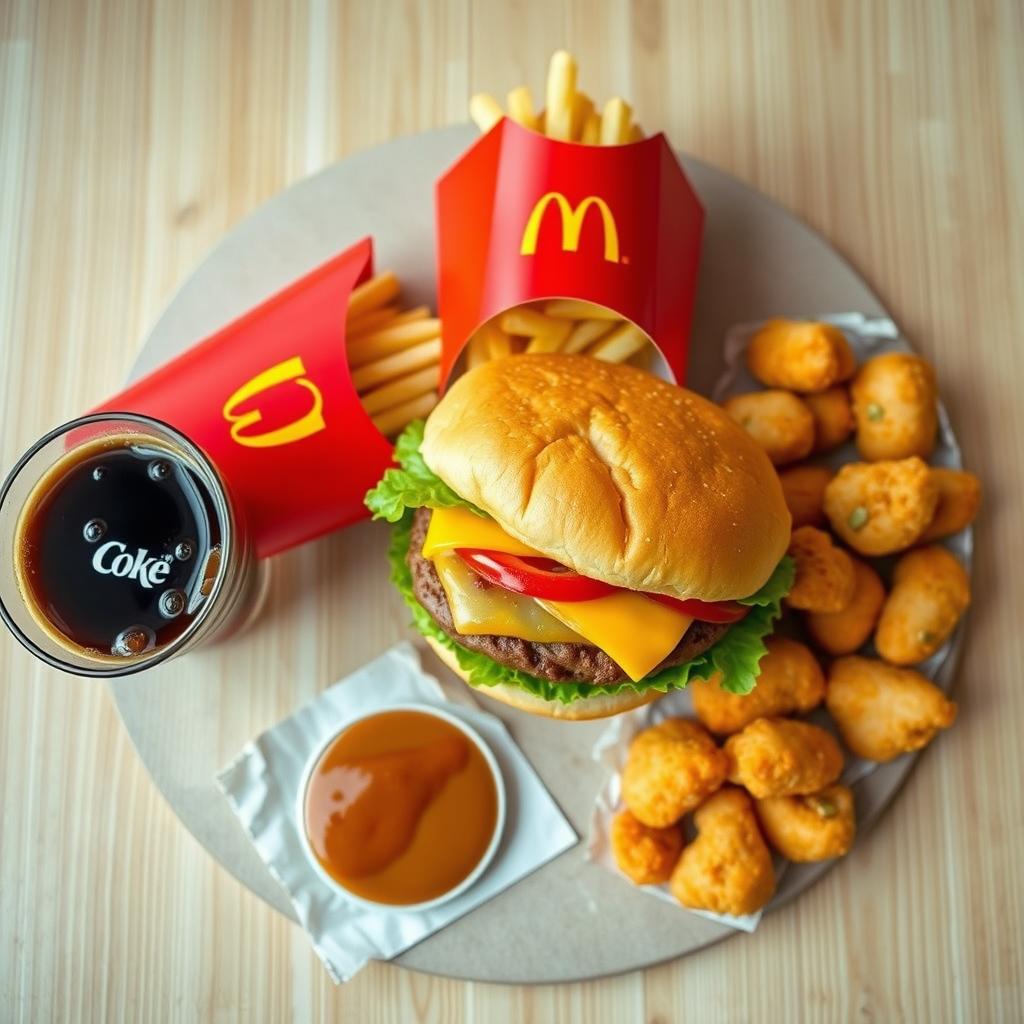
[{"x": 576, "y": 538}]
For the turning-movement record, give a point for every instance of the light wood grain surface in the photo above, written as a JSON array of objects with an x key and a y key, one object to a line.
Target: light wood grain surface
[{"x": 133, "y": 134}]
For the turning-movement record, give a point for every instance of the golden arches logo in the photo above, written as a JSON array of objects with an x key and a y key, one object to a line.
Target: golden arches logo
[
  {"x": 572, "y": 224},
  {"x": 291, "y": 370}
]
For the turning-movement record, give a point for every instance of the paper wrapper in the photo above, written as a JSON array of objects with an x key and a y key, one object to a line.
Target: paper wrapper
[
  {"x": 867, "y": 337},
  {"x": 270, "y": 399},
  {"x": 522, "y": 217},
  {"x": 262, "y": 785}
]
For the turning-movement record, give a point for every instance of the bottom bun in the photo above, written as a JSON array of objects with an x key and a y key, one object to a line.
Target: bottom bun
[{"x": 599, "y": 706}]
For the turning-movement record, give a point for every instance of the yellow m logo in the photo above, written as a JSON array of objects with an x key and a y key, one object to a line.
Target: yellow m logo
[
  {"x": 311, "y": 423},
  {"x": 572, "y": 225}
]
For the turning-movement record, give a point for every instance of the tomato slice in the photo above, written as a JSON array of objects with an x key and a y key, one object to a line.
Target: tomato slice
[
  {"x": 549, "y": 580},
  {"x": 534, "y": 577},
  {"x": 706, "y": 611}
]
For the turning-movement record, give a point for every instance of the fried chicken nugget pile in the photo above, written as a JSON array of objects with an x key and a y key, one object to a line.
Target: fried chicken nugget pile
[
  {"x": 818, "y": 826},
  {"x": 670, "y": 769},
  {"x": 727, "y": 869},
  {"x": 782, "y": 757}
]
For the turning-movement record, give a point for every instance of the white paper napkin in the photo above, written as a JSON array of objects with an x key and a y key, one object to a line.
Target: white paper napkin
[{"x": 262, "y": 785}]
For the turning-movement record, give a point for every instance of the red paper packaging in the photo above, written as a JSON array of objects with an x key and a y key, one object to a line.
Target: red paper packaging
[
  {"x": 523, "y": 217},
  {"x": 270, "y": 399}
]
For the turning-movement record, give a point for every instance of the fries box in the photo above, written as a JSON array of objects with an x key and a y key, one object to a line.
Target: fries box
[
  {"x": 270, "y": 399},
  {"x": 521, "y": 216}
]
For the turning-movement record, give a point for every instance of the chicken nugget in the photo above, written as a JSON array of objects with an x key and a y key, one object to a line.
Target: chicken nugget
[
  {"x": 930, "y": 593},
  {"x": 727, "y": 869},
  {"x": 777, "y": 420},
  {"x": 959, "y": 500},
  {"x": 825, "y": 580},
  {"x": 643, "y": 854},
  {"x": 790, "y": 680},
  {"x": 882, "y": 711},
  {"x": 895, "y": 407},
  {"x": 670, "y": 769},
  {"x": 818, "y": 826},
  {"x": 844, "y": 631},
  {"x": 881, "y": 507},
  {"x": 781, "y": 757},
  {"x": 799, "y": 355},
  {"x": 803, "y": 488},
  {"x": 833, "y": 418}
]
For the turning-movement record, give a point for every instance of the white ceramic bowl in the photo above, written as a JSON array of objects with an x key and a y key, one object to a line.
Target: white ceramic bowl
[{"x": 488, "y": 855}]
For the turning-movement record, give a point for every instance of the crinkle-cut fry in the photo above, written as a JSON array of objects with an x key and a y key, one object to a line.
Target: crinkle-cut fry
[
  {"x": 582, "y": 108},
  {"x": 615, "y": 121},
  {"x": 405, "y": 389},
  {"x": 561, "y": 88},
  {"x": 577, "y": 309},
  {"x": 391, "y": 422},
  {"x": 370, "y": 321},
  {"x": 530, "y": 322},
  {"x": 520, "y": 107},
  {"x": 485, "y": 110},
  {"x": 425, "y": 353},
  {"x": 585, "y": 333},
  {"x": 376, "y": 292},
  {"x": 618, "y": 346},
  {"x": 390, "y": 339},
  {"x": 591, "y": 133}
]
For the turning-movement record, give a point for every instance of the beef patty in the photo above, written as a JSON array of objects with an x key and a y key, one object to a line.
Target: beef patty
[{"x": 559, "y": 662}]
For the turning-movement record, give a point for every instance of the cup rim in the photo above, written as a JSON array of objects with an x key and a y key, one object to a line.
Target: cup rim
[
  {"x": 485, "y": 859},
  {"x": 224, "y": 508}
]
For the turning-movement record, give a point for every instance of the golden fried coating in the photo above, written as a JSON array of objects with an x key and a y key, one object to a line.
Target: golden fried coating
[
  {"x": 833, "y": 418},
  {"x": 645, "y": 855},
  {"x": 825, "y": 579},
  {"x": 959, "y": 500},
  {"x": 882, "y": 711},
  {"x": 777, "y": 420},
  {"x": 881, "y": 507},
  {"x": 781, "y": 757},
  {"x": 727, "y": 869},
  {"x": 843, "y": 632},
  {"x": 803, "y": 487},
  {"x": 799, "y": 355},
  {"x": 930, "y": 592},
  {"x": 894, "y": 405},
  {"x": 818, "y": 826},
  {"x": 669, "y": 770},
  {"x": 790, "y": 680}
]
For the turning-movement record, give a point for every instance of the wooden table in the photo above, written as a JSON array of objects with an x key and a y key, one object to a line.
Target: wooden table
[{"x": 132, "y": 135}]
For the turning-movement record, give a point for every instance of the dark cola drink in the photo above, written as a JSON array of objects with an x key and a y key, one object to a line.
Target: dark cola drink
[{"x": 125, "y": 548}]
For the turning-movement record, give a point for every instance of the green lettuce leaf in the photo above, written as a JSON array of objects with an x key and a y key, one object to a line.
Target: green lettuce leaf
[{"x": 413, "y": 485}]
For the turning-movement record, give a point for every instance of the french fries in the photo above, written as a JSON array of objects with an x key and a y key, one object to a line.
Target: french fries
[
  {"x": 569, "y": 326},
  {"x": 570, "y": 115},
  {"x": 394, "y": 355}
]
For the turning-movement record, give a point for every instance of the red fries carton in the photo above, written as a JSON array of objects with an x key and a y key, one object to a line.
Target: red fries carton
[
  {"x": 521, "y": 216},
  {"x": 270, "y": 399}
]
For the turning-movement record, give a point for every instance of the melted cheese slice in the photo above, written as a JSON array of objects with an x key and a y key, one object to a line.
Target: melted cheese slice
[
  {"x": 459, "y": 528},
  {"x": 480, "y": 608},
  {"x": 634, "y": 631}
]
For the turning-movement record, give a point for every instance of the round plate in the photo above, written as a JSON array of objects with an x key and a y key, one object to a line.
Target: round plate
[{"x": 331, "y": 608}]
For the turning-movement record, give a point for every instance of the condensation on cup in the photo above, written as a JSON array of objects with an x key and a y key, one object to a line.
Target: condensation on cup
[{"x": 122, "y": 548}]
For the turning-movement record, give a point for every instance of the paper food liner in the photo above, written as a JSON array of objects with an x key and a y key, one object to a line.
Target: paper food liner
[
  {"x": 523, "y": 217},
  {"x": 262, "y": 785},
  {"x": 270, "y": 400},
  {"x": 868, "y": 336}
]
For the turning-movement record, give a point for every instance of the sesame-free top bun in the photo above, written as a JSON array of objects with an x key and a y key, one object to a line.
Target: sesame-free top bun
[{"x": 613, "y": 472}]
